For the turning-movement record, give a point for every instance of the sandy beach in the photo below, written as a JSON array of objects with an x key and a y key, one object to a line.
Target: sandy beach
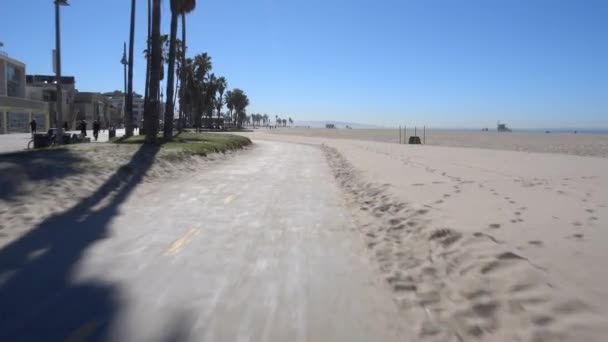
[
  {"x": 481, "y": 244},
  {"x": 563, "y": 143}
]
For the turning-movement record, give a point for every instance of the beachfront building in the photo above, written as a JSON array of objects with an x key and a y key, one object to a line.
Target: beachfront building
[
  {"x": 91, "y": 106},
  {"x": 17, "y": 109},
  {"x": 117, "y": 102},
  {"x": 44, "y": 88}
]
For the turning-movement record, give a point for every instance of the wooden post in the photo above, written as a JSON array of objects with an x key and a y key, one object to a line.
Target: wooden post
[{"x": 424, "y": 135}]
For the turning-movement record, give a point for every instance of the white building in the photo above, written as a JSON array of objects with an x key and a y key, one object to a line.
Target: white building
[
  {"x": 117, "y": 102},
  {"x": 16, "y": 109}
]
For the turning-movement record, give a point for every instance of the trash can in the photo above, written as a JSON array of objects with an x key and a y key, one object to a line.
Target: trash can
[{"x": 414, "y": 140}]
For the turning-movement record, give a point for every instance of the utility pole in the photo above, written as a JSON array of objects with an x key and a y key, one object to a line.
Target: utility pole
[
  {"x": 124, "y": 62},
  {"x": 59, "y": 98}
]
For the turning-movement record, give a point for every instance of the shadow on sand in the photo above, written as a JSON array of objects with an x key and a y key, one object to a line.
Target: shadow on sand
[
  {"x": 38, "y": 299},
  {"x": 20, "y": 167}
]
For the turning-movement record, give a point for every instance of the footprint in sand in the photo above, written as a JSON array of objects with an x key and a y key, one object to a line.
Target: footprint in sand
[
  {"x": 536, "y": 242},
  {"x": 494, "y": 225},
  {"x": 577, "y": 224}
]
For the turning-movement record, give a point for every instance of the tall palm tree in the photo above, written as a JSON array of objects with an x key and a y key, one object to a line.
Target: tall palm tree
[
  {"x": 240, "y": 102},
  {"x": 155, "y": 70},
  {"x": 186, "y": 7},
  {"x": 290, "y": 122},
  {"x": 201, "y": 67},
  {"x": 129, "y": 94},
  {"x": 148, "y": 48},
  {"x": 221, "y": 85},
  {"x": 177, "y": 8},
  {"x": 228, "y": 98}
]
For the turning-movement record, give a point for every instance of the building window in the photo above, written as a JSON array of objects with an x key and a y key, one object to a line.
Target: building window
[
  {"x": 17, "y": 122},
  {"x": 13, "y": 80}
]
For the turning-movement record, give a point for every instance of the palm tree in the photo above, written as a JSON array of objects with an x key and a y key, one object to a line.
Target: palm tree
[
  {"x": 187, "y": 7},
  {"x": 149, "y": 47},
  {"x": 155, "y": 70},
  {"x": 240, "y": 102},
  {"x": 210, "y": 89},
  {"x": 290, "y": 122},
  {"x": 229, "y": 103},
  {"x": 200, "y": 68},
  {"x": 221, "y": 85},
  {"x": 265, "y": 119},
  {"x": 129, "y": 94},
  {"x": 178, "y": 7}
]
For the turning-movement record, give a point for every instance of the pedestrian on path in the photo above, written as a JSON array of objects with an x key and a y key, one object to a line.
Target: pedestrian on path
[
  {"x": 83, "y": 128},
  {"x": 33, "y": 125},
  {"x": 96, "y": 129}
]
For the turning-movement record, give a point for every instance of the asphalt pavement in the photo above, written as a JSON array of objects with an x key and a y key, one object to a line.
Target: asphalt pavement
[{"x": 258, "y": 247}]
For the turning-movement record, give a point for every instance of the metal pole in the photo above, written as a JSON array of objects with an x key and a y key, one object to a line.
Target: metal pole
[
  {"x": 415, "y": 132},
  {"x": 399, "y": 134},
  {"x": 59, "y": 98},
  {"x": 424, "y": 135},
  {"x": 405, "y": 134}
]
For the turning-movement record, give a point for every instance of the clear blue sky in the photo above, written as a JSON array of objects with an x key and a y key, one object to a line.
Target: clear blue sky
[{"x": 447, "y": 63}]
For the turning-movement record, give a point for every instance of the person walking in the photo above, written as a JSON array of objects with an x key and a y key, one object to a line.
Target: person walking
[
  {"x": 83, "y": 128},
  {"x": 96, "y": 127},
  {"x": 33, "y": 125}
]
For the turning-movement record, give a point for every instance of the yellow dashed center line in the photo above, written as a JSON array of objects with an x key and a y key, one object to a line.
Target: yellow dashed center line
[
  {"x": 83, "y": 332},
  {"x": 229, "y": 199},
  {"x": 182, "y": 242}
]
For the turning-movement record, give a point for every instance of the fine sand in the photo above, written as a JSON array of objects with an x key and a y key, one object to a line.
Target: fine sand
[
  {"x": 565, "y": 143},
  {"x": 480, "y": 244},
  {"x": 35, "y": 185}
]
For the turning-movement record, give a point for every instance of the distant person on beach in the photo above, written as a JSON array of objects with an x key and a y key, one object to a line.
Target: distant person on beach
[
  {"x": 33, "y": 126},
  {"x": 96, "y": 129}
]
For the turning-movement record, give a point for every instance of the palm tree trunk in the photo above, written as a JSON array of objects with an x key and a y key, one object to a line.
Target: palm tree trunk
[
  {"x": 155, "y": 67},
  {"x": 183, "y": 76},
  {"x": 169, "y": 108},
  {"x": 148, "y": 43},
  {"x": 129, "y": 95}
]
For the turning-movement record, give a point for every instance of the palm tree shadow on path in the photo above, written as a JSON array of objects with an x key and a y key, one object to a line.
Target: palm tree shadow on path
[{"x": 38, "y": 299}]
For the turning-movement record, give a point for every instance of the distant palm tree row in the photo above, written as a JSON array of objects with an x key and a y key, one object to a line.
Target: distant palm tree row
[
  {"x": 264, "y": 120},
  {"x": 202, "y": 94}
]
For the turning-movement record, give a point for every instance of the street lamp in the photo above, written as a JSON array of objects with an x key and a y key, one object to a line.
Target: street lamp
[{"x": 59, "y": 107}]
